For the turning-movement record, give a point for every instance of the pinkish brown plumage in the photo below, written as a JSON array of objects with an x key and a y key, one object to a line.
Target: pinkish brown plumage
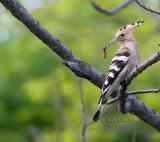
[{"x": 125, "y": 60}]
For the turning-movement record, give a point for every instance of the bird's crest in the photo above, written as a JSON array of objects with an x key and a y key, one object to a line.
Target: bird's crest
[
  {"x": 126, "y": 29},
  {"x": 132, "y": 26}
]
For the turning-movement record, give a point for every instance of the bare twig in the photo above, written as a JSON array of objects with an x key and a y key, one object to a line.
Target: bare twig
[
  {"x": 84, "y": 119},
  {"x": 85, "y": 124},
  {"x": 111, "y": 11},
  {"x": 149, "y": 62},
  {"x": 143, "y": 91},
  {"x": 111, "y": 101},
  {"x": 81, "y": 68},
  {"x": 147, "y": 8}
]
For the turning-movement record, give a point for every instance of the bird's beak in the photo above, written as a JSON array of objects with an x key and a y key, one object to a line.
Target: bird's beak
[
  {"x": 108, "y": 45},
  {"x": 112, "y": 41}
]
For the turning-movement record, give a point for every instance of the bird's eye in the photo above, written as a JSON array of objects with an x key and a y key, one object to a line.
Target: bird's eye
[{"x": 122, "y": 35}]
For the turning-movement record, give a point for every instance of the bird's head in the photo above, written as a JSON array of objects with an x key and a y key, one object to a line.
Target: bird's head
[{"x": 125, "y": 33}]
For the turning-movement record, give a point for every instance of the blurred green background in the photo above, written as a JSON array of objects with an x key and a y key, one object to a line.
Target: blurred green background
[{"x": 40, "y": 98}]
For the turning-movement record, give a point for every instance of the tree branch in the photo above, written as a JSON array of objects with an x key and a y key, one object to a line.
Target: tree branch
[
  {"x": 111, "y": 101},
  {"x": 84, "y": 70},
  {"x": 145, "y": 113},
  {"x": 134, "y": 106},
  {"x": 143, "y": 91},
  {"x": 152, "y": 60},
  {"x": 146, "y": 8},
  {"x": 34, "y": 26},
  {"x": 111, "y": 11},
  {"x": 80, "y": 68}
]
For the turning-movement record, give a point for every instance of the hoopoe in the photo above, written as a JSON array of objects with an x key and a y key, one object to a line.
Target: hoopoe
[{"x": 125, "y": 60}]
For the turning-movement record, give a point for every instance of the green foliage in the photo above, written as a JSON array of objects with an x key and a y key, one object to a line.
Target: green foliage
[{"x": 39, "y": 97}]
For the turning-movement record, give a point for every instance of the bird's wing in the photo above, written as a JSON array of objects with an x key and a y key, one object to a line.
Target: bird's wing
[{"x": 118, "y": 63}]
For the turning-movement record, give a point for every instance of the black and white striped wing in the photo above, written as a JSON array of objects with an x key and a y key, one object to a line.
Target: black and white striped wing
[{"x": 118, "y": 63}]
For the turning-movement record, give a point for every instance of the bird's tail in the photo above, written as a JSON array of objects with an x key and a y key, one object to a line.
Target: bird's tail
[{"x": 97, "y": 114}]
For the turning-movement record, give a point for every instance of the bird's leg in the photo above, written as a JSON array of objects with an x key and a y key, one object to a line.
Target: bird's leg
[{"x": 115, "y": 93}]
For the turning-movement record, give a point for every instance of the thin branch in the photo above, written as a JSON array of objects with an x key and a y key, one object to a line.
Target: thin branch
[
  {"x": 111, "y": 101},
  {"x": 149, "y": 62},
  {"x": 84, "y": 119},
  {"x": 147, "y": 8},
  {"x": 143, "y": 91},
  {"x": 81, "y": 68},
  {"x": 111, "y": 11}
]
